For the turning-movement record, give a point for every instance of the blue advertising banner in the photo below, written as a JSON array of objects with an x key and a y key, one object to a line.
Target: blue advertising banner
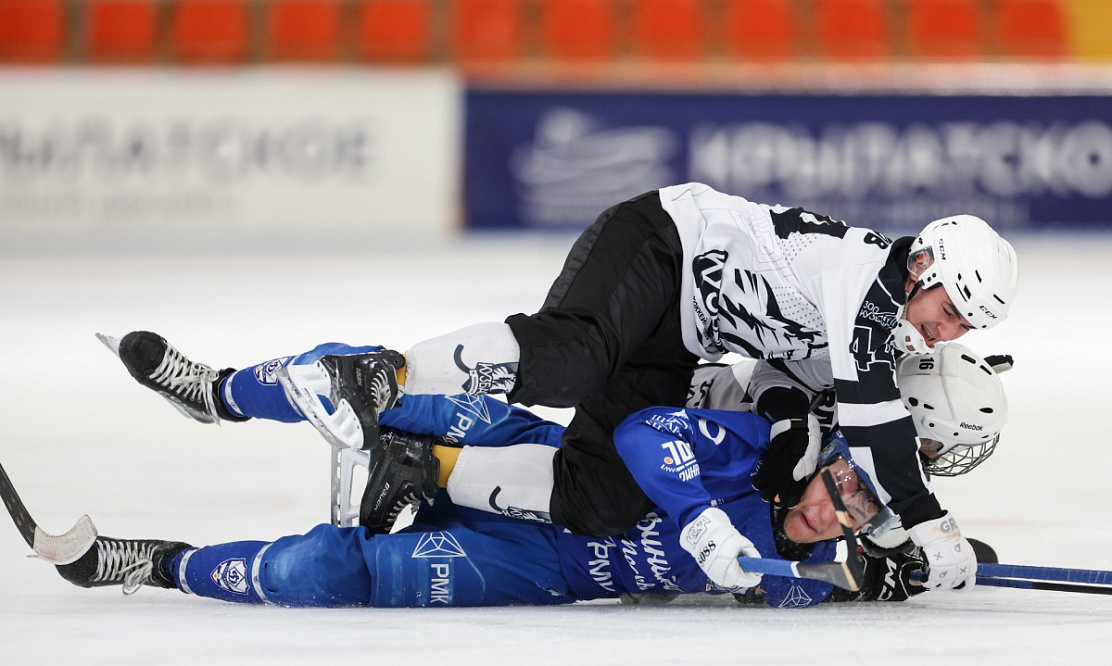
[{"x": 555, "y": 160}]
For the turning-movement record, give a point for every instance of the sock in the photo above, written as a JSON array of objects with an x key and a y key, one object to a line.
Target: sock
[
  {"x": 448, "y": 456},
  {"x": 255, "y": 392},
  {"x": 476, "y": 360},
  {"x": 227, "y": 571},
  {"x": 512, "y": 480}
]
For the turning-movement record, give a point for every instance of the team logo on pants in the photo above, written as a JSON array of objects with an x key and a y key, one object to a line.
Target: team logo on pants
[
  {"x": 438, "y": 544},
  {"x": 231, "y": 575},
  {"x": 266, "y": 373}
]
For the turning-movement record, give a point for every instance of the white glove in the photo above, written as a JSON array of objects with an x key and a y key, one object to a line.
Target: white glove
[
  {"x": 951, "y": 562},
  {"x": 715, "y": 544}
]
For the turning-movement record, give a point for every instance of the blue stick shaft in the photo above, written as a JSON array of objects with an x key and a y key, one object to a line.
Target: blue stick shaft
[
  {"x": 1090, "y": 576},
  {"x": 768, "y": 565}
]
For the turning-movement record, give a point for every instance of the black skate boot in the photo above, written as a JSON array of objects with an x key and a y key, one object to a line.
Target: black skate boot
[
  {"x": 368, "y": 382},
  {"x": 189, "y": 386},
  {"x": 403, "y": 472},
  {"x": 127, "y": 562}
]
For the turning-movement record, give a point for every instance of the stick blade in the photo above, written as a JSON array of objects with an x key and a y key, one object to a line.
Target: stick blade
[
  {"x": 839, "y": 574},
  {"x": 68, "y": 547}
]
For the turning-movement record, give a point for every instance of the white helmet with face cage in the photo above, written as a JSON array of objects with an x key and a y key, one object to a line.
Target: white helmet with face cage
[
  {"x": 977, "y": 268},
  {"x": 958, "y": 403}
]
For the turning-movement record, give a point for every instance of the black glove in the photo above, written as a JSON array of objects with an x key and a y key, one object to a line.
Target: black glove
[
  {"x": 790, "y": 441},
  {"x": 886, "y": 579},
  {"x": 787, "y": 408}
]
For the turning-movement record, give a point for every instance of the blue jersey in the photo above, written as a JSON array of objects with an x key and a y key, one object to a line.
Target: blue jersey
[{"x": 686, "y": 460}]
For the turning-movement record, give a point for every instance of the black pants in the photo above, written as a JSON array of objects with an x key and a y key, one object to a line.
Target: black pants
[{"x": 607, "y": 342}]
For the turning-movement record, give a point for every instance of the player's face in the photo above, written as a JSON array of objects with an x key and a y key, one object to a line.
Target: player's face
[
  {"x": 814, "y": 518},
  {"x": 933, "y": 313}
]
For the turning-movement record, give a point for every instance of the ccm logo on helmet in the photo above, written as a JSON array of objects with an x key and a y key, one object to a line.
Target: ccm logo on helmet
[{"x": 988, "y": 312}]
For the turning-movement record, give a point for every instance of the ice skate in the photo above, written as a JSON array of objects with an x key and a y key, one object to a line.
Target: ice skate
[
  {"x": 187, "y": 385},
  {"x": 128, "y": 562},
  {"x": 402, "y": 473},
  {"x": 359, "y": 386}
]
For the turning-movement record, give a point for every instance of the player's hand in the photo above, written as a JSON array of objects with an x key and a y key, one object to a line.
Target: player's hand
[
  {"x": 889, "y": 578},
  {"x": 950, "y": 559},
  {"x": 715, "y": 544},
  {"x": 790, "y": 461}
]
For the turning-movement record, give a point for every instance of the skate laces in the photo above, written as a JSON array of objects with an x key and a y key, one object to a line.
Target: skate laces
[
  {"x": 188, "y": 380},
  {"x": 129, "y": 562}
]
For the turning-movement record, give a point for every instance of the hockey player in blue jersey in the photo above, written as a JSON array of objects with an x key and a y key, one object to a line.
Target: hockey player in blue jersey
[
  {"x": 452, "y": 556},
  {"x": 703, "y": 464}
]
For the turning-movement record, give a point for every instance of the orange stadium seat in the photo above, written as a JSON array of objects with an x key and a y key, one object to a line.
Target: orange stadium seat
[
  {"x": 121, "y": 30},
  {"x": 210, "y": 31},
  {"x": 669, "y": 29},
  {"x": 577, "y": 29},
  {"x": 303, "y": 29},
  {"x": 394, "y": 30},
  {"x": 1032, "y": 28},
  {"x": 944, "y": 28},
  {"x": 761, "y": 29},
  {"x": 1087, "y": 23},
  {"x": 852, "y": 29},
  {"x": 32, "y": 30},
  {"x": 486, "y": 30}
]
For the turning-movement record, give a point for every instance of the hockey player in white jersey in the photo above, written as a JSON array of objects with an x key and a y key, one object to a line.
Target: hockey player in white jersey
[{"x": 684, "y": 273}]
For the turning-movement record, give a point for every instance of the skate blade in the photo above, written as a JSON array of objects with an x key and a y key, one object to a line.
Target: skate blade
[
  {"x": 65, "y": 548},
  {"x": 304, "y": 384},
  {"x": 346, "y": 464},
  {"x": 112, "y": 343}
]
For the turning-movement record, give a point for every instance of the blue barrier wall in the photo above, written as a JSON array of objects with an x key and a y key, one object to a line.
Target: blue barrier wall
[{"x": 556, "y": 159}]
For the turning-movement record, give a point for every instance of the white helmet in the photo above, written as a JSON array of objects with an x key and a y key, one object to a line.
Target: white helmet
[
  {"x": 975, "y": 266},
  {"x": 958, "y": 404}
]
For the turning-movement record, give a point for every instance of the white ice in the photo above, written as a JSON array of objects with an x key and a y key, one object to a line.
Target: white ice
[{"x": 79, "y": 436}]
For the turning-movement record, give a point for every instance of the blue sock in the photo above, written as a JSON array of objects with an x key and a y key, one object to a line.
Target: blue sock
[
  {"x": 219, "y": 572},
  {"x": 255, "y": 392}
]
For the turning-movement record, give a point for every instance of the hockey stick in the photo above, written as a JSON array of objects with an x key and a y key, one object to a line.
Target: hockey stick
[
  {"x": 56, "y": 549},
  {"x": 1021, "y": 571},
  {"x": 1018, "y": 583},
  {"x": 846, "y": 575}
]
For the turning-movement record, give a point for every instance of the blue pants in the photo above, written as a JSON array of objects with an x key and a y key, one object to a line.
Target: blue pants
[{"x": 442, "y": 560}]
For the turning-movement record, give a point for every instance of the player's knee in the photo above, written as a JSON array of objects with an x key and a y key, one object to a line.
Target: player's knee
[{"x": 324, "y": 567}]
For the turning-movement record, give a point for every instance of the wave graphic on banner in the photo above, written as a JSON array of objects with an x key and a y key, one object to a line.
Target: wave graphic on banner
[{"x": 575, "y": 168}]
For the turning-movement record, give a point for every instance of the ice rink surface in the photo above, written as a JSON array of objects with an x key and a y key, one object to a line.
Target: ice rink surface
[{"x": 79, "y": 436}]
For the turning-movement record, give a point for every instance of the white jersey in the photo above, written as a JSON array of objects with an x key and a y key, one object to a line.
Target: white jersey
[{"x": 797, "y": 288}]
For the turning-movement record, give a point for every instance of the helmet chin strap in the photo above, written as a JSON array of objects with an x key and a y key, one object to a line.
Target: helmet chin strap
[
  {"x": 906, "y": 337},
  {"x": 914, "y": 290}
]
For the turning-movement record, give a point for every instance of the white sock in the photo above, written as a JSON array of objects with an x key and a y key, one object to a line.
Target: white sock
[
  {"x": 512, "y": 480},
  {"x": 479, "y": 359}
]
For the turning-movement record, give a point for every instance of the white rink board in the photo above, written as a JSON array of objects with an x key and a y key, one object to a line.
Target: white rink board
[
  {"x": 79, "y": 436},
  {"x": 246, "y": 148}
]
